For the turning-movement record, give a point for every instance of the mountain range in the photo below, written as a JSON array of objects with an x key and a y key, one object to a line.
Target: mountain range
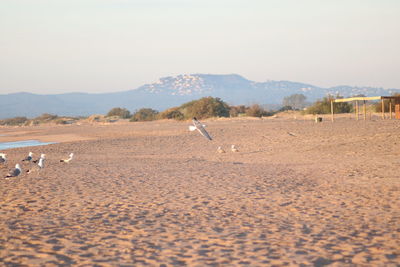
[{"x": 173, "y": 91}]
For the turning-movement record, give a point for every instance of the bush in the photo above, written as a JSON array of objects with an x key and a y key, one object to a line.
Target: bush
[
  {"x": 296, "y": 101},
  {"x": 324, "y": 106},
  {"x": 171, "y": 113},
  {"x": 235, "y": 111},
  {"x": 14, "y": 121},
  {"x": 256, "y": 111},
  {"x": 45, "y": 117},
  {"x": 144, "y": 114},
  {"x": 119, "y": 112},
  {"x": 205, "y": 107},
  {"x": 285, "y": 108}
]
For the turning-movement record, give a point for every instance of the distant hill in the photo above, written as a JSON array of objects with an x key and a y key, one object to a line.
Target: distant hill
[{"x": 172, "y": 91}]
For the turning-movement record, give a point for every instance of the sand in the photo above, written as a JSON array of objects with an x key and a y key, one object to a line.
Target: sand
[{"x": 296, "y": 193}]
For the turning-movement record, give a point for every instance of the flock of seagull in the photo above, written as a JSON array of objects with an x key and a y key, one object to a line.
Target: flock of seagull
[
  {"x": 197, "y": 125},
  {"x": 39, "y": 163}
]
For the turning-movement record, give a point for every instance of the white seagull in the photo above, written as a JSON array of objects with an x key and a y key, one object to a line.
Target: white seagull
[
  {"x": 40, "y": 164},
  {"x": 3, "y": 158},
  {"x": 234, "y": 149},
  {"x": 220, "y": 150},
  {"x": 41, "y": 161},
  {"x": 199, "y": 127},
  {"x": 69, "y": 159},
  {"x": 14, "y": 172},
  {"x": 29, "y": 157}
]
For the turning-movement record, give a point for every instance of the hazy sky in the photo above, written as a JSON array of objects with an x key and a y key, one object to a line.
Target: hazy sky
[{"x": 53, "y": 46}]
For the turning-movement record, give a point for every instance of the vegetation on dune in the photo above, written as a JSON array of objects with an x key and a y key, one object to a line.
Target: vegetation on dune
[
  {"x": 119, "y": 112},
  {"x": 172, "y": 113},
  {"x": 144, "y": 114},
  {"x": 324, "y": 106},
  {"x": 205, "y": 107},
  {"x": 256, "y": 110},
  {"x": 14, "y": 121},
  {"x": 235, "y": 111},
  {"x": 295, "y": 101}
]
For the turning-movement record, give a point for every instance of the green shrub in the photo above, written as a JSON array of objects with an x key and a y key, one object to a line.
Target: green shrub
[
  {"x": 144, "y": 114},
  {"x": 45, "y": 117},
  {"x": 324, "y": 106},
  {"x": 205, "y": 107},
  {"x": 171, "y": 113},
  {"x": 14, "y": 121},
  {"x": 256, "y": 111},
  {"x": 235, "y": 111},
  {"x": 295, "y": 101},
  {"x": 119, "y": 112}
]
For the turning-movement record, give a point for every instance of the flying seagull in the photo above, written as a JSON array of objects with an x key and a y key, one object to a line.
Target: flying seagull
[
  {"x": 199, "y": 127},
  {"x": 14, "y": 172},
  {"x": 234, "y": 149},
  {"x": 69, "y": 159},
  {"x": 29, "y": 157}
]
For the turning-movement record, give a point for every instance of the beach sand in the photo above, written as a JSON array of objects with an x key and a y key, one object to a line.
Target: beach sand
[{"x": 153, "y": 193}]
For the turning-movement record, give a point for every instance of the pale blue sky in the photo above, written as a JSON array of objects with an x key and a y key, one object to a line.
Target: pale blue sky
[{"x": 54, "y": 46}]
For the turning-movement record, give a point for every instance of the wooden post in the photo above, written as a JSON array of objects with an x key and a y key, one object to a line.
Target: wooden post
[
  {"x": 383, "y": 109},
  {"x": 390, "y": 107},
  {"x": 332, "y": 109},
  {"x": 357, "y": 108},
  {"x": 365, "y": 111}
]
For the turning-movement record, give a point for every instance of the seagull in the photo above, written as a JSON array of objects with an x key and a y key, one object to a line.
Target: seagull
[
  {"x": 40, "y": 164},
  {"x": 37, "y": 160},
  {"x": 69, "y": 159},
  {"x": 41, "y": 161},
  {"x": 3, "y": 158},
  {"x": 220, "y": 150},
  {"x": 14, "y": 172},
  {"x": 199, "y": 127},
  {"x": 234, "y": 149},
  {"x": 29, "y": 157}
]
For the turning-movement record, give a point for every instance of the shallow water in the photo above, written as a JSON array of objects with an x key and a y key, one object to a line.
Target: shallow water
[{"x": 25, "y": 143}]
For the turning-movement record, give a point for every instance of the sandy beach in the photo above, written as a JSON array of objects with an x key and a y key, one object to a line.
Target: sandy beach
[{"x": 153, "y": 193}]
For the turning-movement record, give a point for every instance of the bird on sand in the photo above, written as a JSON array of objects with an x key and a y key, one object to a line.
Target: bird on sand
[
  {"x": 41, "y": 161},
  {"x": 29, "y": 157},
  {"x": 234, "y": 149},
  {"x": 199, "y": 127},
  {"x": 40, "y": 164},
  {"x": 37, "y": 160},
  {"x": 220, "y": 150},
  {"x": 68, "y": 159},
  {"x": 14, "y": 172},
  {"x": 3, "y": 158}
]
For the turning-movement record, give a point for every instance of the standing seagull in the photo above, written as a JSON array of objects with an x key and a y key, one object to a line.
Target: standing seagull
[
  {"x": 14, "y": 172},
  {"x": 220, "y": 150},
  {"x": 199, "y": 127},
  {"x": 41, "y": 161},
  {"x": 40, "y": 164},
  {"x": 29, "y": 157},
  {"x": 3, "y": 158},
  {"x": 234, "y": 149},
  {"x": 69, "y": 159}
]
